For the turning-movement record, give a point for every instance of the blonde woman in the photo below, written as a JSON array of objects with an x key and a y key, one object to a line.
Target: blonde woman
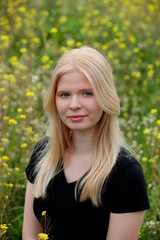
[{"x": 83, "y": 181}]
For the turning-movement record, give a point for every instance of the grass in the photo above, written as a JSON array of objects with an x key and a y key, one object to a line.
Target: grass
[{"x": 34, "y": 34}]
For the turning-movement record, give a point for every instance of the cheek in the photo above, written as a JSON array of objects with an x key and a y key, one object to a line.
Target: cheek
[{"x": 61, "y": 107}]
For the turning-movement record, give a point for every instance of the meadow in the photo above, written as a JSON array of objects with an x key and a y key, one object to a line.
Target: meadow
[{"x": 33, "y": 35}]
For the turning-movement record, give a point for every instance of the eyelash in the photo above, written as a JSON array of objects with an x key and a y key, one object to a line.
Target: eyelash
[{"x": 63, "y": 94}]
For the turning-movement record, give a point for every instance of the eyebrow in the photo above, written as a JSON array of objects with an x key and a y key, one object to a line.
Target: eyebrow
[{"x": 81, "y": 90}]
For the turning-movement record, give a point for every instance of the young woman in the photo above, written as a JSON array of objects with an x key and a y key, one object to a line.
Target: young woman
[{"x": 83, "y": 181}]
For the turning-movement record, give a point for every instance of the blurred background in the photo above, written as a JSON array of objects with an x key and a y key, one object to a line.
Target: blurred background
[{"x": 33, "y": 35}]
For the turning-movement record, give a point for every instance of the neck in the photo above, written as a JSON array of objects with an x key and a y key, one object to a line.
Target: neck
[{"x": 82, "y": 142}]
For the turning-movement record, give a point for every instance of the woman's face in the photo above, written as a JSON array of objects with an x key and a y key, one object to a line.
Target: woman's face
[{"x": 76, "y": 103}]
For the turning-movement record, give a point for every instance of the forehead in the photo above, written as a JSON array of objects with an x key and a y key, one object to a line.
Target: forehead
[{"x": 73, "y": 80}]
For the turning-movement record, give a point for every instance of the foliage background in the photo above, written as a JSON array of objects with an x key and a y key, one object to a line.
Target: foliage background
[{"x": 34, "y": 34}]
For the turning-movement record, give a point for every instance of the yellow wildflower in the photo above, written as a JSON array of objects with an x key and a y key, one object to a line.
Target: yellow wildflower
[
  {"x": 70, "y": 42},
  {"x": 23, "y": 116},
  {"x": 24, "y": 145},
  {"x": 5, "y": 165},
  {"x": 146, "y": 131},
  {"x": 5, "y": 158},
  {"x": 150, "y": 73},
  {"x": 53, "y": 30},
  {"x": 23, "y": 50},
  {"x": 158, "y": 137},
  {"x": 158, "y": 121},
  {"x": 30, "y": 94},
  {"x": 22, "y": 9},
  {"x": 46, "y": 66},
  {"x": 45, "y": 59},
  {"x": 4, "y": 140},
  {"x": 43, "y": 213},
  {"x": 78, "y": 44},
  {"x": 2, "y": 89},
  {"x": 19, "y": 110},
  {"x": 1, "y": 149},
  {"x": 10, "y": 185},
  {"x": 4, "y": 226},
  {"x": 14, "y": 60},
  {"x": 17, "y": 169},
  {"x": 5, "y": 118},
  {"x": 36, "y": 40},
  {"x": 43, "y": 236},
  {"x": 151, "y": 160},
  {"x": 153, "y": 111},
  {"x": 144, "y": 159},
  {"x": 62, "y": 19},
  {"x": 12, "y": 121}
]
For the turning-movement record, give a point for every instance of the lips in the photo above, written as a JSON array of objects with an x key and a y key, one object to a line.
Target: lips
[{"x": 76, "y": 118}]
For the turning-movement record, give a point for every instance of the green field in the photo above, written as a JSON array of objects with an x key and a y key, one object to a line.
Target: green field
[{"x": 33, "y": 35}]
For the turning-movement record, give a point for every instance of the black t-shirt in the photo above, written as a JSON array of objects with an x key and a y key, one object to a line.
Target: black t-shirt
[{"x": 66, "y": 218}]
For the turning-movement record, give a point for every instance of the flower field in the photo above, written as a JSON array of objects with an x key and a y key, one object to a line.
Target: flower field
[{"x": 33, "y": 35}]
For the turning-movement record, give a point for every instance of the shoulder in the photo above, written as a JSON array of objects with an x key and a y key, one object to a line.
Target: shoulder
[
  {"x": 126, "y": 185},
  {"x": 126, "y": 162},
  {"x": 35, "y": 158}
]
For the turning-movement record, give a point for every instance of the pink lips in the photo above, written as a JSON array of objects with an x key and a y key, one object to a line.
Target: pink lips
[{"x": 76, "y": 118}]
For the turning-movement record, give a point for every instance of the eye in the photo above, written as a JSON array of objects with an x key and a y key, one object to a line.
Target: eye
[
  {"x": 87, "y": 94},
  {"x": 64, "y": 95}
]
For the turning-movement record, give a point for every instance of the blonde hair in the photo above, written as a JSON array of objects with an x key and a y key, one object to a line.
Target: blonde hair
[{"x": 108, "y": 138}]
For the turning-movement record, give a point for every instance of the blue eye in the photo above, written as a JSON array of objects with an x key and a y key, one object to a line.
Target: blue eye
[
  {"x": 87, "y": 94},
  {"x": 64, "y": 95}
]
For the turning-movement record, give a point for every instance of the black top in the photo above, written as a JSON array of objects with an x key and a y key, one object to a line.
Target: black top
[{"x": 66, "y": 218}]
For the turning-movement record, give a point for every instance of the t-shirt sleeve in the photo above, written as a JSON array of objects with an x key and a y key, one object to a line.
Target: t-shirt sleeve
[
  {"x": 35, "y": 157},
  {"x": 128, "y": 191}
]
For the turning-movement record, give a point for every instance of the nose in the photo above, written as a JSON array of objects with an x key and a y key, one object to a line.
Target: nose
[{"x": 75, "y": 103}]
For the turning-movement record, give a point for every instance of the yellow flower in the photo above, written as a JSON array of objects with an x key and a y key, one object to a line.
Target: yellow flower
[
  {"x": 21, "y": 9},
  {"x": 146, "y": 131},
  {"x": 1, "y": 149},
  {"x": 70, "y": 42},
  {"x": 5, "y": 158},
  {"x": 12, "y": 121},
  {"x": 17, "y": 169},
  {"x": 30, "y": 94},
  {"x": 53, "y": 30},
  {"x": 24, "y": 145},
  {"x": 158, "y": 137},
  {"x": 36, "y": 40},
  {"x": 4, "y": 226},
  {"x": 43, "y": 213},
  {"x": 19, "y": 110},
  {"x": 4, "y": 140},
  {"x": 10, "y": 185},
  {"x": 14, "y": 60},
  {"x": 23, "y": 116},
  {"x": 78, "y": 44},
  {"x": 153, "y": 111},
  {"x": 2, "y": 89},
  {"x": 62, "y": 19},
  {"x": 150, "y": 73},
  {"x": 23, "y": 50},
  {"x": 151, "y": 160},
  {"x": 5, "y": 164},
  {"x": 43, "y": 236},
  {"x": 45, "y": 59},
  {"x": 144, "y": 159},
  {"x": 46, "y": 66},
  {"x": 6, "y": 118},
  {"x": 158, "y": 121}
]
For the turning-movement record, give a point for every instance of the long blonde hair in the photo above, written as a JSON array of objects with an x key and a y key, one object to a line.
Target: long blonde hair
[{"x": 108, "y": 138}]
